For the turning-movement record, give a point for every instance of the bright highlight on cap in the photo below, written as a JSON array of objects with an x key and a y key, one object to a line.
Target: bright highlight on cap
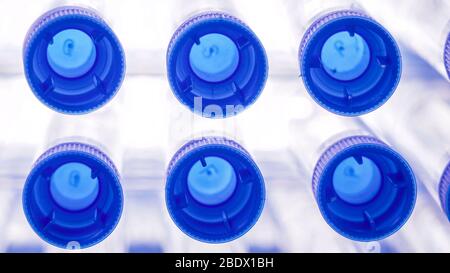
[
  {"x": 357, "y": 182},
  {"x": 72, "y": 186},
  {"x": 214, "y": 58},
  {"x": 212, "y": 181},
  {"x": 345, "y": 56},
  {"x": 71, "y": 53}
]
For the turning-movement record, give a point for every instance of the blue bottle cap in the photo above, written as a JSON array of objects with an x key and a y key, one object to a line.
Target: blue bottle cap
[
  {"x": 217, "y": 58},
  {"x": 447, "y": 56},
  {"x": 357, "y": 182},
  {"x": 211, "y": 181},
  {"x": 349, "y": 63},
  {"x": 73, "y": 196},
  {"x": 73, "y": 61},
  {"x": 72, "y": 186},
  {"x": 365, "y": 190},
  {"x": 71, "y": 53},
  {"x": 214, "y": 58},
  {"x": 214, "y": 191},
  {"x": 444, "y": 193},
  {"x": 345, "y": 56}
]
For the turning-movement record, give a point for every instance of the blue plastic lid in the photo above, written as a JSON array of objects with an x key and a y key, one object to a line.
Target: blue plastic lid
[
  {"x": 217, "y": 59},
  {"x": 349, "y": 63},
  {"x": 365, "y": 190},
  {"x": 73, "y": 61},
  {"x": 72, "y": 186},
  {"x": 444, "y": 192},
  {"x": 357, "y": 182},
  {"x": 214, "y": 58},
  {"x": 71, "y": 53},
  {"x": 447, "y": 56},
  {"x": 345, "y": 56},
  {"x": 211, "y": 181},
  {"x": 214, "y": 190},
  {"x": 72, "y": 196}
]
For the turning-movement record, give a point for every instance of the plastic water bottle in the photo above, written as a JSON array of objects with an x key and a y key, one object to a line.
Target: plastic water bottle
[
  {"x": 214, "y": 190},
  {"x": 72, "y": 197},
  {"x": 364, "y": 189},
  {"x": 349, "y": 63},
  {"x": 423, "y": 26},
  {"x": 73, "y": 61},
  {"x": 409, "y": 122},
  {"x": 216, "y": 64},
  {"x": 420, "y": 131}
]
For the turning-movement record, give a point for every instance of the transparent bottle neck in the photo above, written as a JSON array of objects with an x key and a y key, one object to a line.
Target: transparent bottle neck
[
  {"x": 422, "y": 25},
  {"x": 312, "y": 137}
]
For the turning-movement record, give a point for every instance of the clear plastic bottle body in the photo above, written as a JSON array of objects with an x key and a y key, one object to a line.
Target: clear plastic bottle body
[
  {"x": 415, "y": 123},
  {"x": 306, "y": 11},
  {"x": 422, "y": 25},
  {"x": 416, "y": 132},
  {"x": 187, "y": 9},
  {"x": 322, "y": 130},
  {"x": 99, "y": 129}
]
